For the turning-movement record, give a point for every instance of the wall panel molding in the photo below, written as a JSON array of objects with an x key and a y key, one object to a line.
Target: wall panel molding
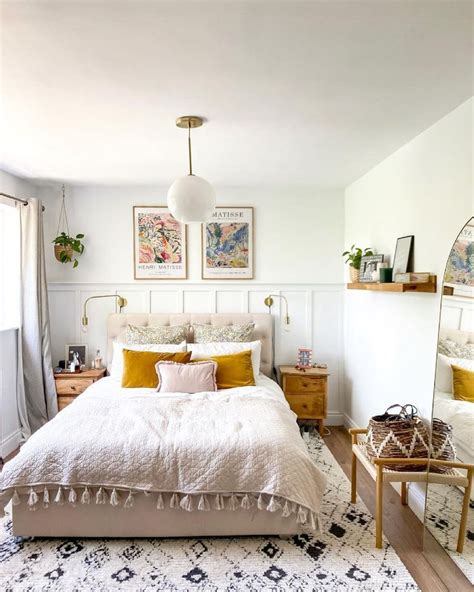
[{"x": 315, "y": 310}]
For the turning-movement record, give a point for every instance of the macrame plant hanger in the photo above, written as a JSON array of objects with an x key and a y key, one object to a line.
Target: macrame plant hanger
[{"x": 63, "y": 215}]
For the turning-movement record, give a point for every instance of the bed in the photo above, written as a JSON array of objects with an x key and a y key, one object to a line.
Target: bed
[
  {"x": 459, "y": 414},
  {"x": 133, "y": 462}
]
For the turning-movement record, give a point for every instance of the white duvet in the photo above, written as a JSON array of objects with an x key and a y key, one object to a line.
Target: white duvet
[
  {"x": 460, "y": 414},
  {"x": 227, "y": 449}
]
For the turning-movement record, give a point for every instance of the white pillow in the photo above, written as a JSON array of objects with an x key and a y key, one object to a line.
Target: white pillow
[
  {"x": 444, "y": 372},
  {"x": 116, "y": 368},
  {"x": 203, "y": 350}
]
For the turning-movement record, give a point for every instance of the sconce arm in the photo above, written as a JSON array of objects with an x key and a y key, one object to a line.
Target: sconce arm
[{"x": 121, "y": 301}]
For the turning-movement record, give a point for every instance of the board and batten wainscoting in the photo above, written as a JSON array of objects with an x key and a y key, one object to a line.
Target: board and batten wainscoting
[{"x": 316, "y": 314}]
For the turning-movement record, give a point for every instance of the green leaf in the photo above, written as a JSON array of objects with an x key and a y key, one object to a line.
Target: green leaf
[
  {"x": 63, "y": 256},
  {"x": 76, "y": 263},
  {"x": 79, "y": 236}
]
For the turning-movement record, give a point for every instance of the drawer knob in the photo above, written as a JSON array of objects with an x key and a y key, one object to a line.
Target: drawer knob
[{"x": 73, "y": 388}]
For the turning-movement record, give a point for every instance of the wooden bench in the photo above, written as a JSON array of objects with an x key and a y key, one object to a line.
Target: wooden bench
[{"x": 379, "y": 471}]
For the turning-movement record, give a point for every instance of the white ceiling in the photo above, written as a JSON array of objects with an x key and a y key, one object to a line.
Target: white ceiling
[{"x": 307, "y": 94}]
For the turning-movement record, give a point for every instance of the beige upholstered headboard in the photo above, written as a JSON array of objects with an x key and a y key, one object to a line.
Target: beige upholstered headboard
[
  {"x": 263, "y": 331},
  {"x": 461, "y": 337}
]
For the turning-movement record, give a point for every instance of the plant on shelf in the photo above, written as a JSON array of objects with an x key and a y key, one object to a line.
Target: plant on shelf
[
  {"x": 354, "y": 258},
  {"x": 67, "y": 246}
]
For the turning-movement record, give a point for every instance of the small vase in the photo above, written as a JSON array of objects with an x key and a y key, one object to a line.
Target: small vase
[{"x": 354, "y": 274}]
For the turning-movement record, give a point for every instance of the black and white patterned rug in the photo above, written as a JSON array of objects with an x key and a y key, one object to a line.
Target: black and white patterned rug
[
  {"x": 443, "y": 516},
  {"x": 343, "y": 558}
]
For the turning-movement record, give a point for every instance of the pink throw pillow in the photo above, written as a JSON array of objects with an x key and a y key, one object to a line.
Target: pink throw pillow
[{"x": 194, "y": 377}]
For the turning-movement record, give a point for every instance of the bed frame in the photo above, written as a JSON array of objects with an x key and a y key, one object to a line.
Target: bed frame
[{"x": 144, "y": 520}]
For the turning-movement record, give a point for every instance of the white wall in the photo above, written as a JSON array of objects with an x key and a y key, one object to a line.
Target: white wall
[
  {"x": 298, "y": 233},
  {"x": 424, "y": 189},
  {"x": 9, "y": 422},
  {"x": 298, "y": 245}
]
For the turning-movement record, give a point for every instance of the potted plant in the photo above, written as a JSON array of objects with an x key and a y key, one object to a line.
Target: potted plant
[
  {"x": 354, "y": 258},
  {"x": 66, "y": 246}
]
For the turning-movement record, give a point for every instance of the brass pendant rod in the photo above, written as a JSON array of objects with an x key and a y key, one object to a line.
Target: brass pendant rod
[{"x": 189, "y": 149}]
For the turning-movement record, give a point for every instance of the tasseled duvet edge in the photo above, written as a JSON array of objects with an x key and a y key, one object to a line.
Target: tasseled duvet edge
[{"x": 185, "y": 501}]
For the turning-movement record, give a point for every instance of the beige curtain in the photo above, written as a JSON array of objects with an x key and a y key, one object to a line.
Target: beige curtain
[{"x": 37, "y": 401}]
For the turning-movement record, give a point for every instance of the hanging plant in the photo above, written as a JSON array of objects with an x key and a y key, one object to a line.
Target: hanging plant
[{"x": 66, "y": 246}]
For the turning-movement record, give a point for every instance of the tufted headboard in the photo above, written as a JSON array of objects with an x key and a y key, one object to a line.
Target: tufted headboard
[
  {"x": 461, "y": 337},
  {"x": 117, "y": 323}
]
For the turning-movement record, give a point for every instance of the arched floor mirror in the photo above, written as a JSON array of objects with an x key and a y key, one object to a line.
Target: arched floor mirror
[{"x": 449, "y": 508}]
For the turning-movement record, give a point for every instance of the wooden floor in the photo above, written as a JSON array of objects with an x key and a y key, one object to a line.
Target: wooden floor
[{"x": 401, "y": 527}]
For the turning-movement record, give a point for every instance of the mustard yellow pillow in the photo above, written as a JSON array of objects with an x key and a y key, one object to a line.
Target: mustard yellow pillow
[
  {"x": 139, "y": 366},
  {"x": 234, "y": 370},
  {"x": 463, "y": 384}
]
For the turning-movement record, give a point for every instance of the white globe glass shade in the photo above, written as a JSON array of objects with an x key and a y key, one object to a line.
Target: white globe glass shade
[{"x": 191, "y": 199}]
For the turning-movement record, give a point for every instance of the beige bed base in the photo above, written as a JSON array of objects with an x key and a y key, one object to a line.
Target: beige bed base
[{"x": 144, "y": 520}]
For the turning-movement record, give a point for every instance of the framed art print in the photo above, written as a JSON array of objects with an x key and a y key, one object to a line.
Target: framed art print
[
  {"x": 460, "y": 268},
  {"x": 227, "y": 245},
  {"x": 159, "y": 244},
  {"x": 403, "y": 259},
  {"x": 369, "y": 266},
  {"x": 71, "y": 349}
]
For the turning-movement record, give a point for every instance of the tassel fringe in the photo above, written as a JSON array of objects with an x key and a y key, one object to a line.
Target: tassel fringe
[
  {"x": 114, "y": 499},
  {"x": 129, "y": 501},
  {"x": 59, "y": 499},
  {"x": 86, "y": 496},
  {"x": 16, "y": 498},
  {"x": 219, "y": 502},
  {"x": 32, "y": 499},
  {"x": 203, "y": 504},
  {"x": 233, "y": 503},
  {"x": 45, "y": 497},
  {"x": 72, "y": 499},
  {"x": 100, "y": 496},
  {"x": 188, "y": 502},
  {"x": 273, "y": 505},
  {"x": 160, "y": 504}
]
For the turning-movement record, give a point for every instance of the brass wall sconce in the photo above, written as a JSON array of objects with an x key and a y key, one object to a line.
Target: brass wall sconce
[
  {"x": 269, "y": 302},
  {"x": 122, "y": 302}
]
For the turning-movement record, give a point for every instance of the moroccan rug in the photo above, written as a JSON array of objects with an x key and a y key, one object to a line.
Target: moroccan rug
[
  {"x": 343, "y": 558},
  {"x": 443, "y": 515}
]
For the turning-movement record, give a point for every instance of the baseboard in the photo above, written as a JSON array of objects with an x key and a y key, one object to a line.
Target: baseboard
[
  {"x": 349, "y": 422},
  {"x": 10, "y": 443},
  {"x": 334, "y": 418}
]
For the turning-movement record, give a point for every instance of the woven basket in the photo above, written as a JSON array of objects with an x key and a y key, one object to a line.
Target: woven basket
[
  {"x": 58, "y": 249},
  {"x": 354, "y": 274},
  {"x": 442, "y": 446},
  {"x": 401, "y": 435}
]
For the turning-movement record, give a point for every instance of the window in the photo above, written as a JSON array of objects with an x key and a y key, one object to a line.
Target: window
[{"x": 9, "y": 266}]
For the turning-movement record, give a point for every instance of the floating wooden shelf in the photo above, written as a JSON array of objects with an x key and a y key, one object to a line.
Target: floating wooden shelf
[{"x": 427, "y": 287}]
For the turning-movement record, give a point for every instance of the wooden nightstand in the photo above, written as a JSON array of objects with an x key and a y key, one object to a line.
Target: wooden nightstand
[
  {"x": 69, "y": 385},
  {"x": 306, "y": 392}
]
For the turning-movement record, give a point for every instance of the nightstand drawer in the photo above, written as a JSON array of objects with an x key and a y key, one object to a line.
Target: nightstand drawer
[
  {"x": 304, "y": 384},
  {"x": 307, "y": 406},
  {"x": 71, "y": 386},
  {"x": 64, "y": 402}
]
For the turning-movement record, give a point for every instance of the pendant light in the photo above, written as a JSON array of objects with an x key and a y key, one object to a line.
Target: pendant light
[{"x": 191, "y": 198}]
